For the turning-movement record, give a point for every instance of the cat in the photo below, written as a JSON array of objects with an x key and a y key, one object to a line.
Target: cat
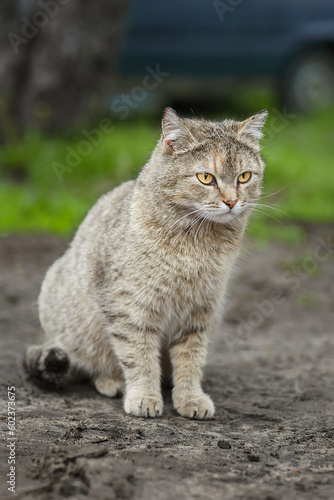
[{"x": 141, "y": 288}]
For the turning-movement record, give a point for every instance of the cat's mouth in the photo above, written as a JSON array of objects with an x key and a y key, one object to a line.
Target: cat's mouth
[{"x": 224, "y": 214}]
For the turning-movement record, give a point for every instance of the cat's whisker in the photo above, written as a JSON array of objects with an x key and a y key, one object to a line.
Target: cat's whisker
[
  {"x": 269, "y": 206},
  {"x": 208, "y": 225},
  {"x": 185, "y": 229},
  {"x": 272, "y": 194},
  {"x": 264, "y": 213},
  {"x": 198, "y": 218},
  {"x": 178, "y": 220},
  {"x": 199, "y": 227},
  {"x": 188, "y": 229},
  {"x": 211, "y": 221},
  {"x": 207, "y": 219}
]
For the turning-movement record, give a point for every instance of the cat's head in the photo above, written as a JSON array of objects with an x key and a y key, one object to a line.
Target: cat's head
[{"x": 211, "y": 168}]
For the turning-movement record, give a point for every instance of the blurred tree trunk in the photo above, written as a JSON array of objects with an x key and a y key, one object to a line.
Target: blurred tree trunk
[{"x": 57, "y": 61}]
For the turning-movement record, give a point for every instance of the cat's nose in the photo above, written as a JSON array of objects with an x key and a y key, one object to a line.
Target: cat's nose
[{"x": 230, "y": 203}]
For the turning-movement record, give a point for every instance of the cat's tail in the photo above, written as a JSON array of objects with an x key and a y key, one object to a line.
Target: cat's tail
[{"x": 47, "y": 366}]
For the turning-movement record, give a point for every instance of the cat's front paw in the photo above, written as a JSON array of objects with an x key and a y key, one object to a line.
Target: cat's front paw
[
  {"x": 199, "y": 406},
  {"x": 143, "y": 406}
]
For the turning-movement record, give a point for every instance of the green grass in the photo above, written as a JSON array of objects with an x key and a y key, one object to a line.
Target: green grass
[
  {"x": 298, "y": 151},
  {"x": 300, "y": 160},
  {"x": 48, "y": 200}
]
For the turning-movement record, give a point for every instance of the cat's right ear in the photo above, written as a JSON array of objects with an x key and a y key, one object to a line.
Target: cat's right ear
[
  {"x": 175, "y": 135},
  {"x": 251, "y": 129}
]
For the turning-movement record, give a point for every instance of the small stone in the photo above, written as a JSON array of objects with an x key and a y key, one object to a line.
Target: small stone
[
  {"x": 224, "y": 445},
  {"x": 253, "y": 458}
]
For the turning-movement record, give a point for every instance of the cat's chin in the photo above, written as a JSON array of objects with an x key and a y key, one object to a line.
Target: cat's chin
[{"x": 224, "y": 218}]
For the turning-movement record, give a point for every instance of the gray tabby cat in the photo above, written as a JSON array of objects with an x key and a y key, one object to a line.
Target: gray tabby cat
[{"x": 141, "y": 288}]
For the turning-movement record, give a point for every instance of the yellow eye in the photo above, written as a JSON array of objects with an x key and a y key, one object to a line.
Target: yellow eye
[
  {"x": 245, "y": 177},
  {"x": 206, "y": 178}
]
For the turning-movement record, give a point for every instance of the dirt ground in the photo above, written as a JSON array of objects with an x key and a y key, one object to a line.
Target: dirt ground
[{"x": 270, "y": 373}]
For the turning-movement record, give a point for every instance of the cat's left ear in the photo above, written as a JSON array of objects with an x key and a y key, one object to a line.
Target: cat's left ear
[
  {"x": 176, "y": 136},
  {"x": 251, "y": 128}
]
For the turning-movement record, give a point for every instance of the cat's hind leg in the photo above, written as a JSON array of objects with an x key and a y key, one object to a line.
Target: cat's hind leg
[
  {"x": 108, "y": 386},
  {"x": 48, "y": 366}
]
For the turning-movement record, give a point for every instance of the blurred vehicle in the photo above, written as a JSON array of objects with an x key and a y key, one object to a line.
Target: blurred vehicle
[{"x": 202, "y": 44}]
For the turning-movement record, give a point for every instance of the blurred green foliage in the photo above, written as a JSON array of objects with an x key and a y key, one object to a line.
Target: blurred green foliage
[
  {"x": 37, "y": 197},
  {"x": 298, "y": 151}
]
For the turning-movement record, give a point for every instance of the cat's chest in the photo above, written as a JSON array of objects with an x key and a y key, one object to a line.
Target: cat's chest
[
  {"x": 188, "y": 287},
  {"x": 186, "y": 282},
  {"x": 164, "y": 289}
]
